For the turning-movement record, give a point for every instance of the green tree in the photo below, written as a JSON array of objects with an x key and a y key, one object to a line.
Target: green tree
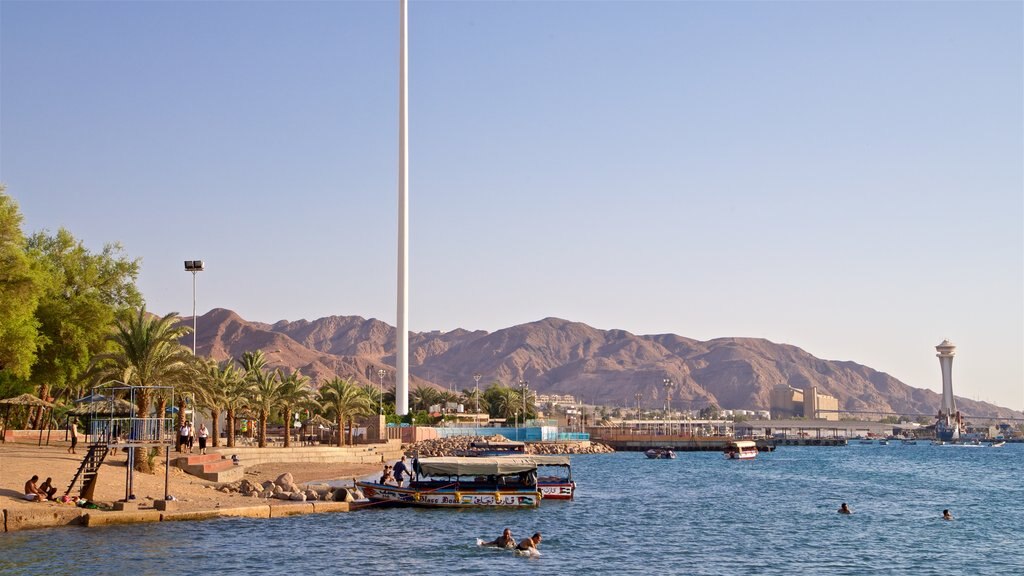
[
  {"x": 471, "y": 397},
  {"x": 264, "y": 392},
  {"x": 345, "y": 401},
  {"x": 86, "y": 293},
  {"x": 218, "y": 385},
  {"x": 293, "y": 394},
  {"x": 21, "y": 286},
  {"x": 146, "y": 352}
]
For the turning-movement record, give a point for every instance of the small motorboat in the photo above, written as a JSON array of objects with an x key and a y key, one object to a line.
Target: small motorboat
[
  {"x": 660, "y": 454},
  {"x": 999, "y": 444}
]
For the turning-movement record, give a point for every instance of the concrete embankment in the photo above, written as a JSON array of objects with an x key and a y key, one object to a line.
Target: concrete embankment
[{"x": 15, "y": 520}]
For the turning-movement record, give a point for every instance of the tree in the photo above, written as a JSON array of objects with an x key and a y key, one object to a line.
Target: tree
[
  {"x": 21, "y": 286},
  {"x": 345, "y": 401},
  {"x": 423, "y": 397},
  {"x": 221, "y": 385},
  {"x": 294, "y": 392},
  {"x": 710, "y": 412},
  {"x": 265, "y": 389},
  {"x": 85, "y": 294},
  {"x": 472, "y": 397},
  {"x": 146, "y": 352}
]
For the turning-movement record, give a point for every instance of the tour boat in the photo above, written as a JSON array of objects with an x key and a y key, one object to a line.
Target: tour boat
[
  {"x": 554, "y": 476},
  {"x": 741, "y": 450},
  {"x": 660, "y": 454},
  {"x": 460, "y": 482}
]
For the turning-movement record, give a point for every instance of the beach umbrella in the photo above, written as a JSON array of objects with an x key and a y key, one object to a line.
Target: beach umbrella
[{"x": 25, "y": 400}]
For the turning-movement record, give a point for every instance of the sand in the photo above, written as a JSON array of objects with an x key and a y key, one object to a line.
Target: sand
[{"x": 18, "y": 462}]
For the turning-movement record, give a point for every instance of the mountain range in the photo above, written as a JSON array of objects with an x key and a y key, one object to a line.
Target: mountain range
[{"x": 555, "y": 356}]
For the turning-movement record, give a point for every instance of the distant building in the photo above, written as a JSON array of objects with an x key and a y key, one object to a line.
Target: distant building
[
  {"x": 555, "y": 399},
  {"x": 790, "y": 402}
]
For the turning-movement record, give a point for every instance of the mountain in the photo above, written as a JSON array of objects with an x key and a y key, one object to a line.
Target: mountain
[{"x": 563, "y": 357}]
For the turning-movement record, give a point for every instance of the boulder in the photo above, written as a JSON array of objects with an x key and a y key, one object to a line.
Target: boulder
[
  {"x": 297, "y": 497},
  {"x": 285, "y": 480}
]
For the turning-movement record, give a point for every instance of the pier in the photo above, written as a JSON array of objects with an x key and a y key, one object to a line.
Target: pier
[{"x": 679, "y": 443}]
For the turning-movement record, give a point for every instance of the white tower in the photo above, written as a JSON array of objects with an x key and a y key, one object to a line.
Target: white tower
[
  {"x": 402, "y": 332},
  {"x": 948, "y": 426}
]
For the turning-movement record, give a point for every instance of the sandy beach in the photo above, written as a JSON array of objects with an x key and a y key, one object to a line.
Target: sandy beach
[{"x": 19, "y": 461}]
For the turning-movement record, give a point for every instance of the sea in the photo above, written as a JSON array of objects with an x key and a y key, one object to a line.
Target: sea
[{"x": 698, "y": 514}]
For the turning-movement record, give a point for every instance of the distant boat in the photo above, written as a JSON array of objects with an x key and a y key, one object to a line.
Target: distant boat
[
  {"x": 999, "y": 444},
  {"x": 938, "y": 443},
  {"x": 660, "y": 454},
  {"x": 867, "y": 442},
  {"x": 908, "y": 442},
  {"x": 741, "y": 450},
  {"x": 883, "y": 442}
]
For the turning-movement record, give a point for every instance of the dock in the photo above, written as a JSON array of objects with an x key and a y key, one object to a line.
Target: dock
[{"x": 679, "y": 443}]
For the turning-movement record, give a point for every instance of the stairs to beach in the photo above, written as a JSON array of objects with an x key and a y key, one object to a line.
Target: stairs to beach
[{"x": 212, "y": 466}]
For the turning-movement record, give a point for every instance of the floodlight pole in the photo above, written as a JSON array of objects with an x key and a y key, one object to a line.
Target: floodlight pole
[{"x": 195, "y": 267}]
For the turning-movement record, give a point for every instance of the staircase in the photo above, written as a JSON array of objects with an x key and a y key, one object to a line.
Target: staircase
[
  {"x": 213, "y": 467},
  {"x": 88, "y": 470}
]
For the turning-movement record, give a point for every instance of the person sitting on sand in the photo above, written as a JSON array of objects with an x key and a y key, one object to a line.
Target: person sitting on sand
[
  {"x": 946, "y": 515},
  {"x": 506, "y": 540},
  {"x": 32, "y": 492},
  {"x": 48, "y": 488},
  {"x": 844, "y": 509},
  {"x": 529, "y": 544}
]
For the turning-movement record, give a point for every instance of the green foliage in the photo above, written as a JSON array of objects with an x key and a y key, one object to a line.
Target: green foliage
[
  {"x": 21, "y": 286},
  {"x": 505, "y": 402},
  {"x": 345, "y": 401},
  {"x": 85, "y": 293},
  {"x": 711, "y": 412}
]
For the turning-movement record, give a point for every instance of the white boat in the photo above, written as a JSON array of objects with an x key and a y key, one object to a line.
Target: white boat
[
  {"x": 741, "y": 450},
  {"x": 660, "y": 454}
]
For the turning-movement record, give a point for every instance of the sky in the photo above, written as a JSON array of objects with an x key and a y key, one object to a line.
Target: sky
[{"x": 845, "y": 177}]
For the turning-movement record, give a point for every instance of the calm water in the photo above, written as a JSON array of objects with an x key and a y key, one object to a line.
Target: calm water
[{"x": 698, "y": 514}]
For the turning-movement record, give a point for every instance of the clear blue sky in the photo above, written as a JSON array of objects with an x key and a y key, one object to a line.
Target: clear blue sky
[{"x": 846, "y": 177}]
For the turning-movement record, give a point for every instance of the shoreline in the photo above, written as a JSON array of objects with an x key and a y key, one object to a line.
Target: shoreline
[{"x": 194, "y": 498}]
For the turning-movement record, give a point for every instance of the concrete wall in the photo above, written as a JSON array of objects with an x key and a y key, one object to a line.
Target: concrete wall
[{"x": 358, "y": 454}]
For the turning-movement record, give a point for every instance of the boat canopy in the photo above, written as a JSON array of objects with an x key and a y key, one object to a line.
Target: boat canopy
[
  {"x": 549, "y": 460},
  {"x": 469, "y": 466},
  {"x": 743, "y": 444}
]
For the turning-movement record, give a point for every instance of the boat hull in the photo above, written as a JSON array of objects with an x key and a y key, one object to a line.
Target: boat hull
[
  {"x": 449, "y": 498},
  {"x": 557, "y": 490}
]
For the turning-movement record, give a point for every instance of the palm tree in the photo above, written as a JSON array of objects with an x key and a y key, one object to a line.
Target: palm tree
[
  {"x": 471, "y": 397},
  {"x": 345, "y": 401},
  {"x": 265, "y": 395},
  {"x": 293, "y": 393},
  {"x": 145, "y": 351},
  {"x": 235, "y": 397},
  {"x": 423, "y": 397},
  {"x": 503, "y": 402},
  {"x": 215, "y": 384}
]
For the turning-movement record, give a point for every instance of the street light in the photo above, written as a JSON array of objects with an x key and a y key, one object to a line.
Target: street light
[
  {"x": 380, "y": 403},
  {"x": 524, "y": 387},
  {"x": 477, "y": 376},
  {"x": 195, "y": 267},
  {"x": 669, "y": 385}
]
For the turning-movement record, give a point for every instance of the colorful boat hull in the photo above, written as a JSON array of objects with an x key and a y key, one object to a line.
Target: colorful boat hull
[{"x": 449, "y": 498}]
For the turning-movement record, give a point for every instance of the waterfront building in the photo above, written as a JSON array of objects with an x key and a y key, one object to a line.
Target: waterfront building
[{"x": 790, "y": 402}]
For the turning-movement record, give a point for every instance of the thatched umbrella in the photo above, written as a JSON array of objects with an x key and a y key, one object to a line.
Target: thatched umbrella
[
  {"x": 25, "y": 400},
  {"x": 318, "y": 421}
]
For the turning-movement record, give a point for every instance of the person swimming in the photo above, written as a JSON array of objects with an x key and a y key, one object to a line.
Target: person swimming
[
  {"x": 844, "y": 509},
  {"x": 946, "y": 515},
  {"x": 506, "y": 540},
  {"x": 529, "y": 544}
]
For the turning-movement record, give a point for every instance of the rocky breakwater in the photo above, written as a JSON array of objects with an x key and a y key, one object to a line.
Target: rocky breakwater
[
  {"x": 285, "y": 488},
  {"x": 459, "y": 444}
]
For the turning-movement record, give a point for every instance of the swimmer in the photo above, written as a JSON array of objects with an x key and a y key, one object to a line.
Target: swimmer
[
  {"x": 946, "y": 515},
  {"x": 506, "y": 540},
  {"x": 529, "y": 544},
  {"x": 844, "y": 509}
]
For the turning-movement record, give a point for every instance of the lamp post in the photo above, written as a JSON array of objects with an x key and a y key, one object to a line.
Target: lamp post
[
  {"x": 195, "y": 267},
  {"x": 524, "y": 388},
  {"x": 380, "y": 397},
  {"x": 477, "y": 376},
  {"x": 669, "y": 385}
]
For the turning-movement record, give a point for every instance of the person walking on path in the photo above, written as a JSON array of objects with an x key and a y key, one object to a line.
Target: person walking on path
[
  {"x": 203, "y": 435},
  {"x": 183, "y": 435}
]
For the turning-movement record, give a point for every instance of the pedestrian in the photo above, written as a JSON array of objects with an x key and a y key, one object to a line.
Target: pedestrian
[
  {"x": 191, "y": 436},
  {"x": 74, "y": 437},
  {"x": 203, "y": 435},
  {"x": 183, "y": 435}
]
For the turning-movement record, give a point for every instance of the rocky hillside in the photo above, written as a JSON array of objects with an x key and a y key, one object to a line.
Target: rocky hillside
[{"x": 558, "y": 356}]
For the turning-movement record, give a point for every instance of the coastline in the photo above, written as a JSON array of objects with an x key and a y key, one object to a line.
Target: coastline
[{"x": 195, "y": 498}]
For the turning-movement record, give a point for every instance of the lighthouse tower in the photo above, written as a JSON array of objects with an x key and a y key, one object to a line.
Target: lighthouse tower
[{"x": 949, "y": 423}]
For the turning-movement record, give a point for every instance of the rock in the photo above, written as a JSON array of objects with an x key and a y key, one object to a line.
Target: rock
[
  {"x": 285, "y": 480},
  {"x": 312, "y": 495},
  {"x": 267, "y": 485},
  {"x": 297, "y": 497},
  {"x": 278, "y": 490},
  {"x": 283, "y": 495},
  {"x": 267, "y": 494}
]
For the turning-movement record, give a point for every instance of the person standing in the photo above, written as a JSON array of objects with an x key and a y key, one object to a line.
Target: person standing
[
  {"x": 183, "y": 435},
  {"x": 74, "y": 437},
  {"x": 203, "y": 435},
  {"x": 400, "y": 471}
]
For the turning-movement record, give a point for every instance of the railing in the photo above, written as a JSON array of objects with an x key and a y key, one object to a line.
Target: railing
[{"x": 119, "y": 430}]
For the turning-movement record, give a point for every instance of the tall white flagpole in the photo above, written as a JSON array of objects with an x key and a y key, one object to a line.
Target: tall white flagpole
[{"x": 402, "y": 346}]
